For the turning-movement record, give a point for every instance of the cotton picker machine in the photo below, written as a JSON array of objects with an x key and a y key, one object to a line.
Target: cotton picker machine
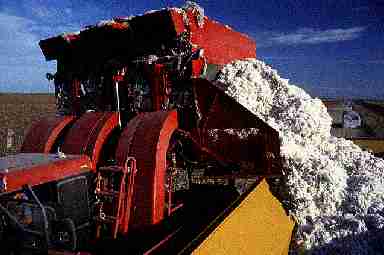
[{"x": 147, "y": 154}]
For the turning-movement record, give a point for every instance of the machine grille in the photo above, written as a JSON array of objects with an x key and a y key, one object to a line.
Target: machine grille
[{"x": 73, "y": 201}]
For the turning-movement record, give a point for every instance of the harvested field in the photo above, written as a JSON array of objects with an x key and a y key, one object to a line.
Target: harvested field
[{"x": 17, "y": 112}]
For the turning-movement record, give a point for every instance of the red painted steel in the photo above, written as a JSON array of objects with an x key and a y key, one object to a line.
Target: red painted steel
[
  {"x": 125, "y": 214},
  {"x": 258, "y": 152},
  {"x": 140, "y": 32},
  {"x": 157, "y": 78},
  {"x": 126, "y": 138},
  {"x": 197, "y": 67},
  {"x": 89, "y": 133},
  {"x": 221, "y": 44},
  {"x": 146, "y": 138},
  {"x": 38, "y": 168},
  {"x": 43, "y": 134}
]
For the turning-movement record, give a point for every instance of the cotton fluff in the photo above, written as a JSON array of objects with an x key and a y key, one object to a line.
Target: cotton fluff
[{"x": 334, "y": 190}]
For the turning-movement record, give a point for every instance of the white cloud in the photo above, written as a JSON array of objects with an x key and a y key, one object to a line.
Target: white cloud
[
  {"x": 22, "y": 64},
  {"x": 41, "y": 11},
  {"x": 46, "y": 31},
  {"x": 313, "y": 36},
  {"x": 48, "y": 12},
  {"x": 15, "y": 35},
  {"x": 23, "y": 24}
]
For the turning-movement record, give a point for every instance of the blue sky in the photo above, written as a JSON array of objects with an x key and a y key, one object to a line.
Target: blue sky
[{"x": 328, "y": 47}]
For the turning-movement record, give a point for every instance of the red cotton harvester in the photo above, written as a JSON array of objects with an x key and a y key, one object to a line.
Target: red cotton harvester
[{"x": 147, "y": 154}]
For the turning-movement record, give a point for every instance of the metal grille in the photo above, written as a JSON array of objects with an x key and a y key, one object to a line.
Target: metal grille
[
  {"x": 73, "y": 200},
  {"x": 198, "y": 177},
  {"x": 179, "y": 177}
]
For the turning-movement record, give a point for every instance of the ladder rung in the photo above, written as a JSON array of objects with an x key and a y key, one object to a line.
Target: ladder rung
[
  {"x": 110, "y": 219},
  {"x": 117, "y": 169},
  {"x": 109, "y": 193}
]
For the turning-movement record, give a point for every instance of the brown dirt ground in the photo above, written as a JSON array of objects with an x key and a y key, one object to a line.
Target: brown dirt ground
[{"x": 17, "y": 113}]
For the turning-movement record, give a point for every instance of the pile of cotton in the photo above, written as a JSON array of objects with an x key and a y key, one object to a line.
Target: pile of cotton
[{"x": 333, "y": 189}]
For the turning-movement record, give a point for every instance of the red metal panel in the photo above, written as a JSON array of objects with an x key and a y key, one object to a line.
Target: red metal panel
[
  {"x": 43, "y": 134},
  {"x": 146, "y": 138},
  {"x": 178, "y": 22},
  {"x": 231, "y": 131},
  {"x": 139, "y": 35},
  {"x": 221, "y": 44},
  {"x": 37, "y": 168},
  {"x": 157, "y": 86},
  {"x": 89, "y": 134},
  {"x": 197, "y": 67},
  {"x": 125, "y": 140}
]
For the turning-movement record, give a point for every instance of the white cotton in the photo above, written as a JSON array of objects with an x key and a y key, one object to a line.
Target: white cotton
[{"x": 334, "y": 190}]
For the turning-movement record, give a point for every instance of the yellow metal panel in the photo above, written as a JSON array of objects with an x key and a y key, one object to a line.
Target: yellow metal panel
[
  {"x": 259, "y": 225},
  {"x": 377, "y": 146}
]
